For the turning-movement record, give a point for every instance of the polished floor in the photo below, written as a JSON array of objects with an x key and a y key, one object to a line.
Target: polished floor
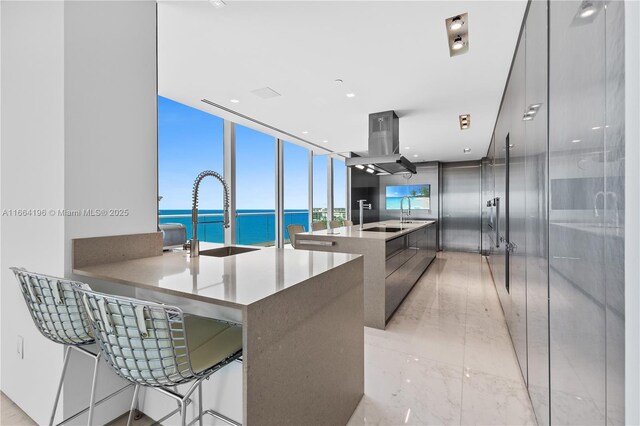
[{"x": 444, "y": 359}]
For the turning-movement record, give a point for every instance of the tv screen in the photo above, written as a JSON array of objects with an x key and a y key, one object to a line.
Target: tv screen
[{"x": 420, "y": 196}]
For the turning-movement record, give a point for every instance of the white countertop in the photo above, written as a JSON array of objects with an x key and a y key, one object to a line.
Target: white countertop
[
  {"x": 355, "y": 232},
  {"x": 235, "y": 281}
]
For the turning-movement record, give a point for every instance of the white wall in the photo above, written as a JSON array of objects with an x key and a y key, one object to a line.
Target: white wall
[
  {"x": 632, "y": 200},
  {"x": 32, "y": 157},
  {"x": 79, "y": 132}
]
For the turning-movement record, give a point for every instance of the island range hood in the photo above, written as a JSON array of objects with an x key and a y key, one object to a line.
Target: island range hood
[{"x": 384, "y": 147}]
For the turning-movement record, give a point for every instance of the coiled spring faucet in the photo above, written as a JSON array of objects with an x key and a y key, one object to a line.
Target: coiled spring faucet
[{"x": 194, "y": 244}]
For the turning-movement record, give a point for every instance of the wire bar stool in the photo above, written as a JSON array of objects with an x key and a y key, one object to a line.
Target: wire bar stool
[
  {"x": 59, "y": 315},
  {"x": 158, "y": 346}
]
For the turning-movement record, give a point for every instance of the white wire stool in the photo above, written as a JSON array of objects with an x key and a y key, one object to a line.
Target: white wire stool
[
  {"x": 59, "y": 315},
  {"x": 147, "y": 344}
]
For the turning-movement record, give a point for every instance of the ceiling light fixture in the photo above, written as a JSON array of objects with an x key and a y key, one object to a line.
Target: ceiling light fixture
[
  {"x": 456, "y": 23},
  {"x": 587, "y": 9},
  {"x": 415, "y": 155},
  {"x": 234, "y": 101},
  {"x": 467, "y": 150},
  {"x": 325, "y": 141},
  {"x": 351, "y": 95},
  {"x": 338, "y": 81},
  {"x": 359, "y": 166},
  {"x": 596, "y": 127},
  {"x": 370, "y": 171},
  {"x": 457, "y": 43},
  {"x": 457, "y": 34},
  {"x": 465, "y": 121},
  {"x": 406, "y": 147},
  {"x": 576, "y": 140},
  {"x": 218, "y": 4},
  {"x": 527, "y": 117},
  {"x": 304, "y": 132}
]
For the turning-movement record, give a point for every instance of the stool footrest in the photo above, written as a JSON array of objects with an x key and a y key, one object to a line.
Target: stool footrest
[{"x": 106, "y": 398}]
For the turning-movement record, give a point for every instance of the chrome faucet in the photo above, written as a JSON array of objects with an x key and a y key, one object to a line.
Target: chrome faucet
[
  {"x": 362, "y": 207},
  {"x": 194, "y": 244},
  {"x": 402, "y": 208}
]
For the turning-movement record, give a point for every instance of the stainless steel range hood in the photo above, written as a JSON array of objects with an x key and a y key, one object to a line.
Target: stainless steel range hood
[{"x": 384, "y": 146}]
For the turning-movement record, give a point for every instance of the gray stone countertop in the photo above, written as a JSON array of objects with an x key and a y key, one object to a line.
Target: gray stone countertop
[
  {"x": 235, "y": 281},
  {"x": 355, "y": 232}
]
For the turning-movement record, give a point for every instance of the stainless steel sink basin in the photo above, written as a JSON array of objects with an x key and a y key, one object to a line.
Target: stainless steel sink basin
[
  {"x": 382, "y": 229},
  {"x": 226, "y": 251}
]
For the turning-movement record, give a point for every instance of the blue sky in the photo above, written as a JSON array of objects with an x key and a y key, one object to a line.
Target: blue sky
[{"x": 190, "y": 141}]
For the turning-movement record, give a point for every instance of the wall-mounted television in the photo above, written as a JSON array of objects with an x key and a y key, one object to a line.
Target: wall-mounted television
[{"x": 420, "y": 196}]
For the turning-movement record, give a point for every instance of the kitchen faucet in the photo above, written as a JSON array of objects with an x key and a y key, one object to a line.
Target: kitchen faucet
[
  {"x": 194, "y": 244},
  {"x": 402, "y": 209},
  {"x": 362, "y": 207}
]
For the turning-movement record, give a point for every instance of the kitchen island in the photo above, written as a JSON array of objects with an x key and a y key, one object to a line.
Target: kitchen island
[
  {"x": 395, "y": 256},
  {"x": 301, "y": 313}
]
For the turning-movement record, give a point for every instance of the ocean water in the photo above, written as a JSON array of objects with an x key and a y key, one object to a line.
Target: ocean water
[{"x": 252, "y": 226}]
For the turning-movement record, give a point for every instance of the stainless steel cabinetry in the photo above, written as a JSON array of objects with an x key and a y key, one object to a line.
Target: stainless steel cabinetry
[{"x": 407, "y": 258}]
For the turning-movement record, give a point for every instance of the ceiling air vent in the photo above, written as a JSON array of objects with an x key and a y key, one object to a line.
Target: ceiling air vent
[{"x": 266, "y": 93}]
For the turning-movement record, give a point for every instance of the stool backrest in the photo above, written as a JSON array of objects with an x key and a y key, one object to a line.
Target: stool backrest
[
  {"x": 348, "y": 223},
  {"x": 55, "y": 308},
  {"x": 319, "y": 226},
  {"x": 292, "y": 230},
  {"x": 335, "y": 224},
  {"x": 144, "y": 342}
]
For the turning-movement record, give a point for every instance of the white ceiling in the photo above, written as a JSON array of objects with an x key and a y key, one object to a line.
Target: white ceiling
[{"x": 393, "y": 55}]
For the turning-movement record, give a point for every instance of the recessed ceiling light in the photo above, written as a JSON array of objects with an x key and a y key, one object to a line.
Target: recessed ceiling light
[
  {"x": 456, "y": 23},
  {"x": 596, "y": 127},
  {"x": 234, "y": 101},
  {"x": 576, "y": 140},
  {"x": 457, "y": 43},
  {"x": 415, "y": 155},
  {"x": 465, "y": 121},
  {"x": 467, "y": 150},
  {"x": 587, "y": 9},
  {"x": 359, "y": 166},
  {"x": 351, "y": 95},
  {"x": 218, "y": 4},
  {"x": 527, "y": 117},
  {"x": 325, "y": 141},
  {"x": 535, "y": 106},
  {"x": 338, "y": 81},
  {"x": 370, "y": 171},
  {"x": 304, "y": 132},
  {"x": 406, "y": 147}
]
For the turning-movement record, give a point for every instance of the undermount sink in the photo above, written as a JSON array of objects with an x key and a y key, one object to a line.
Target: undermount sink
[
  {"x": 226, "y": 251},
  {"x": 382, "y": 229}
]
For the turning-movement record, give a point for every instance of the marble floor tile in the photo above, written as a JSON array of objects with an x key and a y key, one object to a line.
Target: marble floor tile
[
  {"x": 448, "y": 336},
  {"x": 493, "y": 400}
]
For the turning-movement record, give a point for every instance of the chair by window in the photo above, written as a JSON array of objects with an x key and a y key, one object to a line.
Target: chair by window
[
  {"x": 348, "y": 223},
  {"x": 318, "y": 226},
  {"x": 158, "y": 346},
  {"x": 335, "y": 224},
  {"x": 292, "y": 230},
  {"x": 59, "y": 315}
]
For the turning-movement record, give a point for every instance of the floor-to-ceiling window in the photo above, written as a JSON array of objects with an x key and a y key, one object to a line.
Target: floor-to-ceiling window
[
  {"x": 320, "y": 188},
  {"x": 255, "y": 187},
  {"x": 189, "y": 141},
  {"x": 296, "y": 186},
  {"x": 339, "y": 190}
]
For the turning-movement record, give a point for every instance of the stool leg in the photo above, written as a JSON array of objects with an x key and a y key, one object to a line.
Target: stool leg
[
  {"x": 200, "y": 404},
  {"x": 92, "y": 400},
  {"x": 183, "y": 413},
  {"x": 64, "y": 370},
  {"x": 134, "y": 403}
]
